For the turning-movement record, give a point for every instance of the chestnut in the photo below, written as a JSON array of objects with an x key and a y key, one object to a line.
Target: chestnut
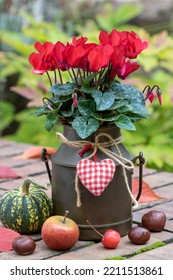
[
  {"x": 23, "y": 245},
  {"x": 154, "y": 220},
  {"x": 139, "y": 235}
]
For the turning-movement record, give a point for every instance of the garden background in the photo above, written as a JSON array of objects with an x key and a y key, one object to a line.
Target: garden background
[{"x": 24, "y": 22}]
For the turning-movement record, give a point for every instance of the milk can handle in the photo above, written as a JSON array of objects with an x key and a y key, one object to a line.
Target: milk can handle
[
  {"x": 45, "y": 156},
  {"x": 140, "y": 164}
]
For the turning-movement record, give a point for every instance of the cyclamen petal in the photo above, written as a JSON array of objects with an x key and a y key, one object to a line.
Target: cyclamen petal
[
  {"x": 150, "y": 96},
  {"x": 99, "y": 57},
  {"x": 74, "y": 55},
  {"x": 160, "y": 98},
  {"x": 127, "y": 69}
]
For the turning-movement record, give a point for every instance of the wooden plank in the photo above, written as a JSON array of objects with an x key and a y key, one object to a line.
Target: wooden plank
[
  {"x": 14, "y": 162},
  {"x": 98, "y": 252},
  {"x": 146, "y": 171},
  {"x": 161, "y": 253},
  {"x": 34, "y": 168},
  {"x": 41, "y": 252},
  {"x": 159, "y": 179},
  {"x": 14, "y": 149}
]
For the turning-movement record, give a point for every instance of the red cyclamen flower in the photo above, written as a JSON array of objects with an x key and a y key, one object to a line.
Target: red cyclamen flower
[
  {"x": 75, "y": 100},
  {"x": 113, "y": 39},
  {"x": 159, "y": 95},
  {"x": 117, "y": 61},
  {"x": 74, "y": 55},
  {"x": 150, "y": 96},
  {"x": 59, "y": 56},
  {"x": 133, "y": 45},
  {"x": 127, "y": 69},
  {"x": 43, "y": 60},
  {"x": 99, "y": 57},
  {"x": 77, "y": 52}
]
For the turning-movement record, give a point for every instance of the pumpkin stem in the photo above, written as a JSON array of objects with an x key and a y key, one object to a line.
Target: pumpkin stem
[{"x": 28, "y": 181}]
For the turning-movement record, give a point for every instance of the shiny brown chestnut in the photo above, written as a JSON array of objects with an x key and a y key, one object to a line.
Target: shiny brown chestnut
[
  {"x": 139, "y": 235},
  {"x": 154, "y": 220},
  {"x": 23, "y": 245}
]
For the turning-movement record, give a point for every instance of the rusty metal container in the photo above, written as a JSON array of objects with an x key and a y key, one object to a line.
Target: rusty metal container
[{"x": 111, "y": 210}]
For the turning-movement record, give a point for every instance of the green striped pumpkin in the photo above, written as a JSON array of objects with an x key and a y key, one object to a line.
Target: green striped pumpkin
[{"x": 26, "y": 208}]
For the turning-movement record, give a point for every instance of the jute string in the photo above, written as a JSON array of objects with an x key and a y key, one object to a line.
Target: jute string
[{"x": 102, "y": 146}]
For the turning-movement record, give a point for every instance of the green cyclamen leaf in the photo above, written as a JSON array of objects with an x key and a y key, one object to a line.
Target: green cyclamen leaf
[
  {"x": 139, "y": 109},
  {"x": 105, "y": 118},
  {"x": 51, "y": 120},
  {"x": 104, "y": 101},
  {"x": 67, "y": 109},
  {"x": 124, "y": 122},
  {"x": 86, "y": 107},
  {"x": 97, "y": 95},
  {"x": 119, "y": 103},
  {"x": 136, "y": 118},
  {"x": 84, "y": 127},
  {"x": 41, "y": 111},
  {"x": 87, "y": 89},
  {"x": 63, "y": 90},
  {"x": 127, "y": 92}
]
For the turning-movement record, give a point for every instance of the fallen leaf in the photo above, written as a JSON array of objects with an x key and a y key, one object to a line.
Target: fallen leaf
[
  {"x": 35, "y": 152},
  {"x": 26, "y": 92},
  {"x": 6, "y": 238},
  {"x": 147, "y": 194},
  {"x": 6, "y": 172}
]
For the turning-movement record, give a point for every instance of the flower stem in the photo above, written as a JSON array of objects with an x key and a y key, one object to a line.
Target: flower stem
[
  {"x": 55, "y": 77},
  {"x": 80, "y": 75},
  {"x": 74, "y": 75},
  {"x": 49, "y": 78},
  {"x": 60, "y": 77},
  {"x": 70, "y": 74},
  {"x": 80, "y": 92},
  {"x": 50, "y": 82}
]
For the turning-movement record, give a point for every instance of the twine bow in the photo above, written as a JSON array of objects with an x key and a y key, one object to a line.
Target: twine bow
[{"x": 102, "y": 146}]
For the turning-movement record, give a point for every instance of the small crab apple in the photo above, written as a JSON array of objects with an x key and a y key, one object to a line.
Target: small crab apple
[{"x": 110, "y": 239}]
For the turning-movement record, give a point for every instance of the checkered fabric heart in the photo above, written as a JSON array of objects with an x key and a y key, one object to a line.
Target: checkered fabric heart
[{"x": 95, "y": 176}]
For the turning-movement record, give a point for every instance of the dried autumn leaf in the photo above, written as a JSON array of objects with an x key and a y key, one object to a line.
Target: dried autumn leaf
[
  {"x": 6, "y": 238},
  {"x": 6, "y": 172},
  {"x": 35, "y": 152},
  {"x": 147, "y": 194}
]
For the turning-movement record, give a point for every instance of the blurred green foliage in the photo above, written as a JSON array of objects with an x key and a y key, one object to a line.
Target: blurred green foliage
[
  {"x": 6, "y": 114},
  {"x": 153, "y": 136}
]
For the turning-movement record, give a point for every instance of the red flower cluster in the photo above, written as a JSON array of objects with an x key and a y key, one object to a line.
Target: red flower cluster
[{"x": 113, "y": 53}]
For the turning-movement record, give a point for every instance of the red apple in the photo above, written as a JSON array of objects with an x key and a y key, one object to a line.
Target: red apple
[
  {"x": 60, "y": 232},
  {"x": 111, "y": 239}
]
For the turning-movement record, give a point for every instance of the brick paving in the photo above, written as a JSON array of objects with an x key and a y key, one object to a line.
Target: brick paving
[{"x": 161, "y": 182}]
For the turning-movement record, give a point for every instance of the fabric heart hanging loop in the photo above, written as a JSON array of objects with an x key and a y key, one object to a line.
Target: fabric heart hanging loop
[{"x": 116, "y": 157}]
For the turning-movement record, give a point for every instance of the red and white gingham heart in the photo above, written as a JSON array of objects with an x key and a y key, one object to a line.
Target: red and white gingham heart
[{"x": 95, "y": 176}]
